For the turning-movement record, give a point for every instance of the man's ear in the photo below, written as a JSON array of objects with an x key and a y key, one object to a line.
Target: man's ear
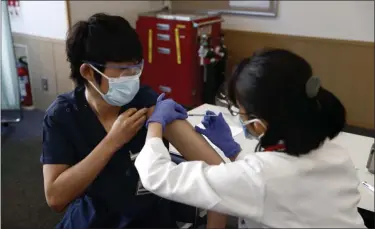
[{"x": 87, "y": 72}]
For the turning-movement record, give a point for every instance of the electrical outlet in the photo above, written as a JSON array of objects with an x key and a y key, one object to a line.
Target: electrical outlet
[{"x": 45, "y": 84}]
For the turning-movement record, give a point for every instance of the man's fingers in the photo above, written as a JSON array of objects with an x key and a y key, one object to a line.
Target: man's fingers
[
  {"x": 150, "y": 111},
  {"x": 129, "y": 112},
  {"x": 137, "y": 115},
  {"x": 139, "y": 123}
]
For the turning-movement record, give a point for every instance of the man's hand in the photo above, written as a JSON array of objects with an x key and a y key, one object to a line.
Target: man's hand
[
  {"x": 150, "y": 111},
  {"x": 126, "y": 127}
]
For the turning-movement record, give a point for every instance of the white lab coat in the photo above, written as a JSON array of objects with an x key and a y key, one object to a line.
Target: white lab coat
[{"x": 264, "y": 189}]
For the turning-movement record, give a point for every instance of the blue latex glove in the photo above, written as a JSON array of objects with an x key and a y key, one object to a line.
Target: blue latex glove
[
  {"x": 166, "y": 111},
  {"x": 219, "y": 133}
]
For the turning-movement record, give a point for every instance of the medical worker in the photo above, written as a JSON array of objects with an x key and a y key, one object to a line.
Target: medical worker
[{"x": 296, "y": 178}]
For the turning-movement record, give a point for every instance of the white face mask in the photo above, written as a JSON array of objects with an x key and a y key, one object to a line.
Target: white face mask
[
  {"x": 247, "y": 133},
  {"x": 121, "y": 90}
]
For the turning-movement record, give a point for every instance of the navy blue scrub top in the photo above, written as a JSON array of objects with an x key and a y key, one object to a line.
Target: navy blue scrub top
[{"x": 71, "y": 130}]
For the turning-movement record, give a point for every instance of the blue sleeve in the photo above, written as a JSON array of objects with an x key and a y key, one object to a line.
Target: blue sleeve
[
  {"x": 57, "y": 149},
  {"x": 146, "y": 97}
]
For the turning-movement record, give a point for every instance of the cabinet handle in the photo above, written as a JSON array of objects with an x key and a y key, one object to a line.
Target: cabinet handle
[
  {"x": 165, "y": 51},
  {"x": 163, "y": 37},
  {"x": 165, "y": 89},
  {"x": 164, "y": 27}
]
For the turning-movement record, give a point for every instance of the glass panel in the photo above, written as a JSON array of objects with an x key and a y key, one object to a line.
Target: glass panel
[{"x": 10, "y": 95}]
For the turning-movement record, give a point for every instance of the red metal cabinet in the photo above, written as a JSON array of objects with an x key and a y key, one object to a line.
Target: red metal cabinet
[{"x": 170, "y": 47}]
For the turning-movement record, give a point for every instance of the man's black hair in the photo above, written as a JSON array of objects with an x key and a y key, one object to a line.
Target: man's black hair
[
  {"x": 271, "y": 85},
  {"x": 102, "y": 38}
]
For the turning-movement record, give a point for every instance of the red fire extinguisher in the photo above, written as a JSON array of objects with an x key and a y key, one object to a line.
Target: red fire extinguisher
[{"x": 24, "y": 82}]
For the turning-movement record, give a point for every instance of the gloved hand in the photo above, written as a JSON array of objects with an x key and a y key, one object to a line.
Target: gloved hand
[
  {"x": 219, "y": 133},
  {"x": 166, "y": 111}
]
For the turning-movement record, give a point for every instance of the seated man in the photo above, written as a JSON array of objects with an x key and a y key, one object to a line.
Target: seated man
[{"x": 90, "y": 135}]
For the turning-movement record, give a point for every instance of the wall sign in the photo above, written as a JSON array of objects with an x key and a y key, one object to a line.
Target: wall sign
[
  {"x": 266, "y": 8},
  {"x": 252, "y": 8}
]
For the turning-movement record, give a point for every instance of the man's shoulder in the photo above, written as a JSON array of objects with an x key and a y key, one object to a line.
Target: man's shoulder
[
  {"x": 61, "y": 105},
  {"x": 146, "y": 97},
  {"x": 146, "y": 92}
]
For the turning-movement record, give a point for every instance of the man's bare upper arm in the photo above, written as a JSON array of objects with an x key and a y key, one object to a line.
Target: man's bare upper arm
[
  {"x": 51, "y": 172},
  {"x": 191, "y": 144}
]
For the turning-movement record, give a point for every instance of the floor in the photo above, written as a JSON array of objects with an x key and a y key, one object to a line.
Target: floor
[{"x": 22, "y": 196}]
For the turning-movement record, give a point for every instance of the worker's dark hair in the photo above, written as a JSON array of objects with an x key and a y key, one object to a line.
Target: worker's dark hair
[
  {"x": 271, "y": 85},
  {"x": 102, "y": 38}
]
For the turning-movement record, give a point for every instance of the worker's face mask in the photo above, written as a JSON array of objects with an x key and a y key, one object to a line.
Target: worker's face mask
[
  {"x": 121, "y": 90},
  {"x": 247, "y": 133}
]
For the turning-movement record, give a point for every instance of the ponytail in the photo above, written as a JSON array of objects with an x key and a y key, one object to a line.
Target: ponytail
[
  {"x": 310, "y": 125},
  {"x": 332, "y": 114}
]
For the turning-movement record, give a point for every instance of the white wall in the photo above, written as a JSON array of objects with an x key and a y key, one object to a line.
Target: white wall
[
  {"x": 349, "y": 20},
  {"x": 41, "y": 18},
  {"x": 82, "y": 10}
]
